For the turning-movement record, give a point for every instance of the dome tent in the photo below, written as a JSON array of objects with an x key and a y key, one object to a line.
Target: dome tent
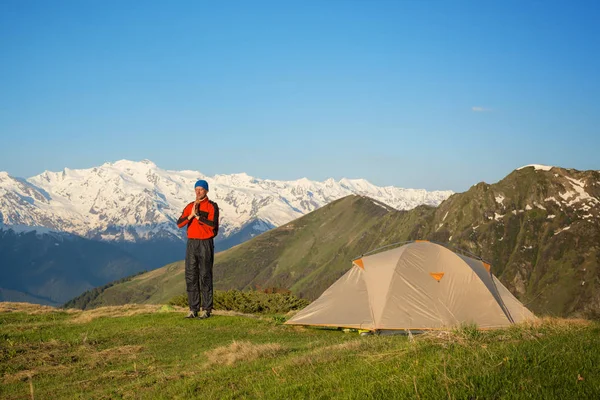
[{"x": 418, "y": 286}]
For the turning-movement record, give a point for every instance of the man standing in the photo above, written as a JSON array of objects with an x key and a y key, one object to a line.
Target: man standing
[{"x": 202, "y": 220}]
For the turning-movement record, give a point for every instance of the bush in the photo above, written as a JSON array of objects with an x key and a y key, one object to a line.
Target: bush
[
  {"x": 180, "y": 301},
  {"x": 252, "y": 302}
]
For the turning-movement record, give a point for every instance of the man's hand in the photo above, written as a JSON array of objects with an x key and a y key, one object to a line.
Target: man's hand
[{"x": 193, "y": 213}]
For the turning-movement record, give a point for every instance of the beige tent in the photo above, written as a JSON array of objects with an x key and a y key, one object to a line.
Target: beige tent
[{"x": 418, "y": 286}]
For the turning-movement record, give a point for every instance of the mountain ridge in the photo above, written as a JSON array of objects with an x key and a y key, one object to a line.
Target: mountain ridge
[
  {"x": 540, "y": 230},
  {"x": 134, "y": 201}
]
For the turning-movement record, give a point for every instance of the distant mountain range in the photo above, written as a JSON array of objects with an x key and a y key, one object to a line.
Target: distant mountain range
[
  {"x": 134, "y": 201},
  {"x": 133, "y": 206},
  {"x": 539, "y": 228}
]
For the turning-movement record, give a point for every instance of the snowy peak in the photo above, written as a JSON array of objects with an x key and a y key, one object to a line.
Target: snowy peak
[
  {"x": 21, "y": 203},
  {"x": 537, "y": 167},
  {"x": 128, "y": 200}
]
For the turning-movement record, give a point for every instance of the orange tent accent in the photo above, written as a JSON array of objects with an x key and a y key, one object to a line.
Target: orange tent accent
[
  {"x": 359, "y": 263},
  {"x": 437, "y": 275}
]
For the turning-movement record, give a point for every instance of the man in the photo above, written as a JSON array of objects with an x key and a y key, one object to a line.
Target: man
[{"x": 202, "y": 220}]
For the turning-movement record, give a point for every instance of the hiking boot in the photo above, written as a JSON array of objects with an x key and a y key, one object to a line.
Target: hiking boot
[
  {"x": 192, "y": 314},
  {"x": 203, "y": 314}
]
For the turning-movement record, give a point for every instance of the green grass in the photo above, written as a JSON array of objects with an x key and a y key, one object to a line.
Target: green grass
[{"x": 140, "y": 352}]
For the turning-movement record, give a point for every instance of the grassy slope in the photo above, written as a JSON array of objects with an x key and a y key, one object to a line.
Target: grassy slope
[
  {"x": 553, "y": 273},
  {"x": 136, "y": 352},
  {"x": 306, "y": 255},
  {"x": 154, "y": 287}
]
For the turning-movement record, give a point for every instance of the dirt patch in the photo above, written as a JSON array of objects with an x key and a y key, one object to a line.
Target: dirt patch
[
  {"x": 32, "y": 373},
  {"x": 242, "y": 352},
  {"x": 29, "y": 355},
  {"x": 137, "y": 309},
  {"x": 117, "y": 311},
  {"x": 28, "y": 308},
  {"x": 127, "y": 310},
  {"x": 59, "y": 358},
  {"x": 234, "y": 314},
  {"x": 120, "y": 353}
]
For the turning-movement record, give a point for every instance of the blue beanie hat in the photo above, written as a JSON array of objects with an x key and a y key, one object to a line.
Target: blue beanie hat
[{"x": 201, "y": 183}]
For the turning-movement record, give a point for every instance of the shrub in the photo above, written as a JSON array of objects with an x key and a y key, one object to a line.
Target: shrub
[
  {"x": 180, "y": 301},
  {"x": 253, "y": 302}
]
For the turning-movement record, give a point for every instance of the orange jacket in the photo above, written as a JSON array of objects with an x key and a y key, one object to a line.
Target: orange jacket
[{"x": 205, "y": 227}]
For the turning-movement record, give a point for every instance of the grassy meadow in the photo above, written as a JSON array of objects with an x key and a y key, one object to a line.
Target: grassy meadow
[{"x": 145, "y": 351}]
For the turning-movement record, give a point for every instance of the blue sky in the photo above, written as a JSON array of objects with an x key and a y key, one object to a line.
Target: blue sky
[{"x": 421, "y": 94}]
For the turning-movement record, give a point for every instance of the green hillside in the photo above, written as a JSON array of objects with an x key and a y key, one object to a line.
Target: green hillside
[
  {"x": 144, "y": 352},
  {"x": 540, "y": 230},
  {"x": 305, "y": 255}
]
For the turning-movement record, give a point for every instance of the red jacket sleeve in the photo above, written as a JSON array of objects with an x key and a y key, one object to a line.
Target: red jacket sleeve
[
  {"x": 183, "y": 220},
  {"x": 210, "y": 217}
]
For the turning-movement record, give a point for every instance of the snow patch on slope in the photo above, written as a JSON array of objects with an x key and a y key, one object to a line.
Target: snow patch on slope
[{"x": 537, "y": 167}]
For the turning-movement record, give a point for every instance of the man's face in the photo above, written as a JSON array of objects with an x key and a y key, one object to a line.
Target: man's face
[{"x": 200, "y": 193}]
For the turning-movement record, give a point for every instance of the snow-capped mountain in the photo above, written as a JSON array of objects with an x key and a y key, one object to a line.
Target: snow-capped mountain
[{"x": 136, "y": 201}]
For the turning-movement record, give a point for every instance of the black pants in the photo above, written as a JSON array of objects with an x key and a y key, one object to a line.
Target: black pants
[{"x": 199, "y": 257}]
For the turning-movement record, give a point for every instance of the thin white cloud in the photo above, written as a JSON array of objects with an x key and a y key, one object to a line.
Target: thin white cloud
[{"x": 480, "y": 109}]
